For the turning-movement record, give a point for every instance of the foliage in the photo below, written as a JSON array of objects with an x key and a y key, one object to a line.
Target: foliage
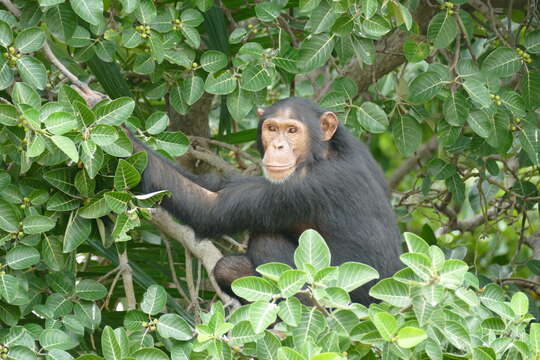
[{"x": 453, "y": 88}]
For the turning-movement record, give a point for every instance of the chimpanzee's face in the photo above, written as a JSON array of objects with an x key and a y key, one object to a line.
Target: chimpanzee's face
[{"x": 286, "y": 143}]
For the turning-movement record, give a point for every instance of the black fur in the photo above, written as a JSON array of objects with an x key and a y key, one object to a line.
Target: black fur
[{"x": 343, "y": 195}]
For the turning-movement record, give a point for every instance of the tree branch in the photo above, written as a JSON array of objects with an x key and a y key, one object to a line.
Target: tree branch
[
  {"x": 423, "y": 152},
  {"x": 204, "y": 250}
]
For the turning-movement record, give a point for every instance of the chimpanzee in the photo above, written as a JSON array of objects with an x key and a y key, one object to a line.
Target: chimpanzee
[{"x": 316, "y": 175}]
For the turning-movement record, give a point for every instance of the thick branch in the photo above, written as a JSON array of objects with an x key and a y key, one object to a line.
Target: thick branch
[{"x": 204, "y": 250}]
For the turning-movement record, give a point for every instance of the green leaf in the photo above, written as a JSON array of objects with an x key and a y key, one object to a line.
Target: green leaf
[
  {"x": 322, "y": 19},
  {"x": 56, "y": 339},
  {"x": 416, "y": 244},
  {"x": 156, "y": 47},
  {"x": 352, "y": 275},
  {"x": 386, "y": 324},
  {"x": 312, "y": 250},
  {"x": 272, "y": 270},
  {"x": 425, "y": 87},
  {"x": 9, "y": 115},
  {"x": 315, "y": 51},
  {"x": 154, "y": 300},
  {"x": 502, "y": 62},
  {"x": 442, "y": 30},
  {"x": 220, "y": 83},
  {"x": 532, "y": 41},
  {"x": 520, "y": 303},
  {"x": 91, "y": 290},
  {"x": 239, "y": 104},
  {"x": 23, "y": 93},
  {"x": 30, "y": 40},
  {"x": 9, "y": 287},
  {"x": 290, "y": 311},
  {"x": 114, "y": 112},
  {"x": 401, "y": 14},
  {"x": 453, "y": 273},
  {"x": 409, "y": 337},
  {"x": 37, "y": 146},
  {"x": 372, "y": 118},
  {"x": 478, "y": 92},
  {"x": 291, "y": 281},
  {"x": 192, "y": 36},
  {"x": 51, "y": 250},
  {"x": 530, "y": 87},
  {"x": 32, "y": 71},
  {"x": 308, "y": 5},
  {"x": 36, "y": 224},
  {"x": 117, "y": 201},
  {"x": 267, "y": 11},
  {"x": 103, "y": 135},
  {"x": 529, "y": 138},
  {"x": 60, "y": 123},
  {"x": 173, "y": 326},
  {"x": 6, "y": 35},
  {"x": 67, "y": 146},
  {"x": 253, "y": 288},
  {"x": 391, "y": 291},
  {"x": 456, "y": 188},
  {"x": 213, "y": 60},
  {"x": 77, "y": 231},
  {"x": 150, "y": 354},
  {"x": 6, "y": 75},
  {"x": 456, "y": 334},
  {"x": 192, "y": 89},
  {"x": 513, "y": 102},
  {"x": 407, "y": 134},
  {"x": 61, "y": 22},
  {"x": 479, "y": 123},
  {"x": 191, "y": 17},
  {"x": 109, "y": 345},
  {"x": 146, "y": 12},
  {"x": 95, "y": 209},
  {"x": 376, "y": 26},
  {"x": 144, "y": 64},
  {"x": 535, "y": 337},
  {"x": 126, "y": 176},
  {"x": 441, "y": 170},
  {"x": 22, "y": 257},
  {"x": 62, "y": 179},
  {"x": 456, "y": 109},
  {"x": 157, "y": 122},
  {"x": 261, "y": 315},
  {"x": 174, "y": 143},
  {"x": 9, "y": 220},
  {"x": 89, "y": 11},
  {"x": 415, "y": 51},
  {"x": 255, "y": 78},
  {"x": 120, "y": 148}
]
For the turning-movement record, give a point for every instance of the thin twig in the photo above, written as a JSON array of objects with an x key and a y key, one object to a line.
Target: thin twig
[
  {"x": 231, "y": 147},
  {"x": 170, "y": 260},
  {"x": 423, "y": 152},
  {"x": 194, "y": 294}
]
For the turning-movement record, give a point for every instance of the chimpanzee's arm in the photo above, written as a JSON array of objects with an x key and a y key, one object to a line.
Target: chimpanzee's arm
[{"x": 210, "y": 182}]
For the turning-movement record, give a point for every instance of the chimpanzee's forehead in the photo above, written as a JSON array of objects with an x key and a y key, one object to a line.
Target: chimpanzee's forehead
[{"x": 290, "y": 111}]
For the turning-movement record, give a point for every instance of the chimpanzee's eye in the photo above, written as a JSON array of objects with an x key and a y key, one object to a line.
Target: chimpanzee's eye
[
  {"x": 271, "y": 128},
  {"x": 292, "y": 130}
]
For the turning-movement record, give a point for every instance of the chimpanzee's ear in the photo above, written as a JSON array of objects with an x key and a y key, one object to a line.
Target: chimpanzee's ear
[
  {"x": 329, "y": 125},
  {"x": 260, "y": 112}
]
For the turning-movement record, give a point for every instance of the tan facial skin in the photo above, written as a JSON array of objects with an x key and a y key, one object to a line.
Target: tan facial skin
[{"x": 286, "y": 142}]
